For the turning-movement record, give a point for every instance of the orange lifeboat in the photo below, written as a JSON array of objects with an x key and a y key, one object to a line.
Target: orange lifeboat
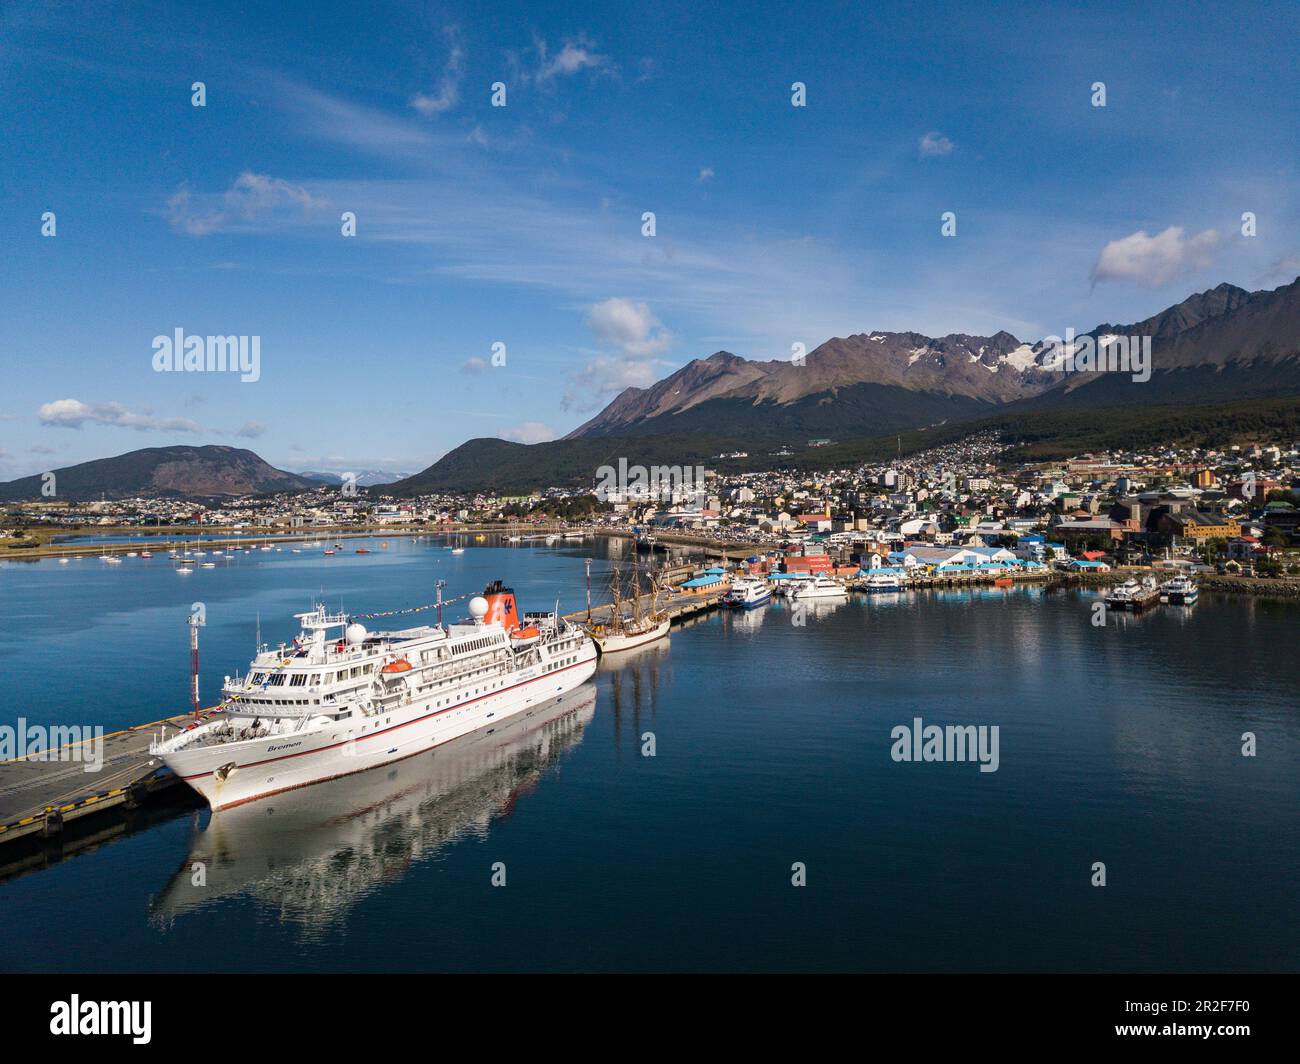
[
  {"x": 522, "y": 637},
  {"x": 400, "y": 665}
]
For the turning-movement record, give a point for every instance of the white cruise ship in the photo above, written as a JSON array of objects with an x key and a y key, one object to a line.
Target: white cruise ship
[{"x": 329, "y": 705}]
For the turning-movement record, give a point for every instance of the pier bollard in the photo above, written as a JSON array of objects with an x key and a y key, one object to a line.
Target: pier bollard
[{"x": 52, "y": 824}]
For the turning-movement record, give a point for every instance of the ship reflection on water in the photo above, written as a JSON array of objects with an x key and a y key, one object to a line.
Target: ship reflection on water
[
  {"x": 631, "y": 681},
  {"x": 310, "y": 855}
]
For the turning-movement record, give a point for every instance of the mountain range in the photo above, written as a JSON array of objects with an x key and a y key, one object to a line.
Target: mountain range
[
  {"x": 1222, "y": 344},
  {"x": 1212, "y": 356},
  {"x": 363, "y": 478}
]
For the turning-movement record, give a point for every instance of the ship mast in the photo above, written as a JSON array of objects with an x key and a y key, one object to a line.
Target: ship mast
[
  {"x": 195, "y": 621},
  {"x": 616, "y": 609}
]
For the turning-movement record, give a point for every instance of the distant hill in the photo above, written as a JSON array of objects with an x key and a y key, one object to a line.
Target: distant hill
[
  {"x": 183, "y": 471},
  {"x": 499, "y": 467}
]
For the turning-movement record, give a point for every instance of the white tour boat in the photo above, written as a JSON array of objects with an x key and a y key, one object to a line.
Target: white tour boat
[
  {"x": 1180, "y": 591},
  {"x": 819, "y": 587},
  {"x": 747, "y": 592}
]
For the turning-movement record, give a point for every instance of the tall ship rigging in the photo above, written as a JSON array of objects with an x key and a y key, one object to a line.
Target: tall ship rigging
[
  {"x": 341, "y": 699},
  {"x": 646, "y": 624}
]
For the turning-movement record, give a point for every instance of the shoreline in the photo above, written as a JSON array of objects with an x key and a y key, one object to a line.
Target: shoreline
[{"x": 1285, "y": 589}]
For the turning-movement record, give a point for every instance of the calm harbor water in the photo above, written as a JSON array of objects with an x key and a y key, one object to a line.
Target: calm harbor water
[{"x": 772, "y": 742}]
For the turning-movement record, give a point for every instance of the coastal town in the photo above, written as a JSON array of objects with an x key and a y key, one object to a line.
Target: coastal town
[{"x": 1229, "y": 511}]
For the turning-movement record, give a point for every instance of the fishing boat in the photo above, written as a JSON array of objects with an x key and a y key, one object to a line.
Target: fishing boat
[
  {"x": 1180, "y": 591},
  {"x": 643, "y": 626},
  {"x": 819, "y": 587},
  {"x": 341, "y": 699},
  {"x": 747, "y": 593}
]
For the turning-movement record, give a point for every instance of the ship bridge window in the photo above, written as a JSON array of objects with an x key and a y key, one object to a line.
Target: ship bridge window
[
  {"x": 299, "y": 679},
  {"x": 277, "y": 680}
]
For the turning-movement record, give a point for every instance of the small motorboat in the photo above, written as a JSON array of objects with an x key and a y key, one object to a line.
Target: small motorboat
[
  {"x": 328, "y": 552},
  {"x": 458, "y": 550},
  {"x": 362, "y": 550}
]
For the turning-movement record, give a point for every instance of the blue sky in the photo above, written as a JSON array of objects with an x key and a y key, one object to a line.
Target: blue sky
[{"x": 522, "y": 224}]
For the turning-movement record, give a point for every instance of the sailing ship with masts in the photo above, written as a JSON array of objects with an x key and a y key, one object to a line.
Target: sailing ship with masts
[{"x": 646, "y": 624}]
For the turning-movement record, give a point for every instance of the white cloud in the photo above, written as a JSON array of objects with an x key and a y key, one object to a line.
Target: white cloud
[
  {"x": 251, "y": 196},
  {"x": 251, "y": 430},
  {"x": 604, "y": 377},
  {"x": 934, "y": 144},
  {"x": 706, "y": 174},
  {"x": 528, "y": 432},
  {"x": 630, "y": 327},
  {"x": 570, "y": 59},
  {"x": 1155, "y": 260},
  {"x": 73, "y": 414},
  {"x": 473, "y": 365},
  {"x": 448, "y": 94}
]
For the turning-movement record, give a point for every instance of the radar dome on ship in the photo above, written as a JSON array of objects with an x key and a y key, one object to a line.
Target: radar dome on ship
[
  {"x": 356, "y": 633},
  {"x": 478, "y": 607}
]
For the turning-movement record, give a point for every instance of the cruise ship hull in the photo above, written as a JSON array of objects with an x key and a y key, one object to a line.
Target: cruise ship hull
[{"x": 232, "y": 774}]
